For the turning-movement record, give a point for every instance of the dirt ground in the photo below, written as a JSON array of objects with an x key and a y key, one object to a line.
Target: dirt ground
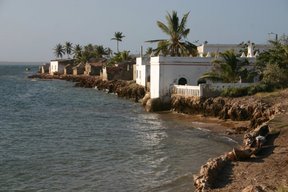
[{"x": 268, "y": 171}]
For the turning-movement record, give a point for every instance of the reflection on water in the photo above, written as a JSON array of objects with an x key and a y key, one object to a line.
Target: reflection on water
[{"x": 54, "y": 137}]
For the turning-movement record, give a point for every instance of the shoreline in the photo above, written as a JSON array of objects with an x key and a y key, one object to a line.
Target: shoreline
[{"x": 270, "y": 108}]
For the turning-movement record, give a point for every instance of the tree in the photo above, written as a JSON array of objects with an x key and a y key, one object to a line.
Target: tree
[
  {"x": 100, "y": 51},
  {"x": 176, "y": 45},
  {"x": 59, "y": 51},
  {"x": 274, "y": 75},
  {"x": 77, "y": 53},
  {"x": 118, "y": 37},
  {"x": 229, "y": 69},
  {"x": 273, "y": 63},
  {"x": 276, "y": 54},
  {"x": 149, "y": 51},
  {"x": 68, "y": 48}
]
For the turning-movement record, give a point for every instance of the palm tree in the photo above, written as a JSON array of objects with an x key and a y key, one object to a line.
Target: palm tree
[
  {"x": 77, "y": 51},
  {"x": 59, "y": 50},
  {"x": 176, "y": 45},
  {"x": 68, "y": 48},
  {"x": 149, "y": 51},
  {"x": 100, "y": 51},
  {"x": 229, "y": 69},
  {"x": 118, "y": 37}
]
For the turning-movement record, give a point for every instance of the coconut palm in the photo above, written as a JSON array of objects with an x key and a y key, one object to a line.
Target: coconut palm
[
  {"x": 77, "y": 51},
  {"x": 118, "y": 37},
  {"x": 68, "y": 48},
  {"x": 149, "y": 51},
  {"x": 100, "y": 51},
  {"x": 228, "y": 69},
  {"x": 59, "y": 50},
  {"x": 176, "y": 45}
]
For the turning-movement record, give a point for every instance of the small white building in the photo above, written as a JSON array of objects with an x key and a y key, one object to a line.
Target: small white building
[
  {"x": 57, "y": 66},
  {"x": 169, "y": 71}
]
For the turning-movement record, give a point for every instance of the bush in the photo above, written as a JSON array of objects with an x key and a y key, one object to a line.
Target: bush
[
  {"x": 262, "y": 87},
  {"x": 275, "y": 75},
  {"x": 235, "y": 92}
]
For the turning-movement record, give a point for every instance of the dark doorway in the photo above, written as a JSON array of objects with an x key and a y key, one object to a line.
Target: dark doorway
[{"x": 182, "y": 81}]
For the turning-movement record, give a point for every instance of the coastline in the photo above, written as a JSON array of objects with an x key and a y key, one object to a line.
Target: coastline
[{"x": 270, "y": 106}]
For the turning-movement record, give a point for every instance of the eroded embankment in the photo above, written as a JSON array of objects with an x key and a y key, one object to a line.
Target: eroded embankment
[
  {"x": 256, "y": 110},
  {"x": 250, "y": 109}
]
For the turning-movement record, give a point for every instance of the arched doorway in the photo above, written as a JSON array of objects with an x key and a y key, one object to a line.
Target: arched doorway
[{"x": 182, "y": 81}]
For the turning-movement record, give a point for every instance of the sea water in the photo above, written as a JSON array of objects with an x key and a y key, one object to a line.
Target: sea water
[{"x": 56, "y": 137}]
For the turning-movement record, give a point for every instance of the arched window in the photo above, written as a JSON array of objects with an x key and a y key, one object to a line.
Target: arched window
[{"x": 182, "y": 81}]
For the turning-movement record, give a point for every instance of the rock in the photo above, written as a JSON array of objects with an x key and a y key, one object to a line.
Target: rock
[{"x": 209, "y": 172}]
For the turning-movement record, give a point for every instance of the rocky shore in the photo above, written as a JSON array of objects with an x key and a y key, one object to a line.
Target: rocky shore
[
  {"x": 260, "y": 112},
  {"x": 125, "y": 89}
]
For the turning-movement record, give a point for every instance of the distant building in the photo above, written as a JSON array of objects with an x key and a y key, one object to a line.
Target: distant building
[
  {"x": 121, "y": 71},
  {"x": 44, "y": 68},
  {"x": 57, "y": 66},
  {"x": 210, "y": 50},
  {"x": 68, "y": 69},
  {"x": 79, "y": 69},
  {"x": 94, "y": 68}
]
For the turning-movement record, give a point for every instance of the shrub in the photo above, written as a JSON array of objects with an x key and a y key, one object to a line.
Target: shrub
[
  {"x": 262, "y": 87},
  {"x": 234, "y": 92}
]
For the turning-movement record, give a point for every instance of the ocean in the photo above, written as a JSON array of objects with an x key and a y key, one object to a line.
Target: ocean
[{"x": 56, "y": 137}]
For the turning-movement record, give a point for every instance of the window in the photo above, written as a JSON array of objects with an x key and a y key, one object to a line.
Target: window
[{"x": 182, "y": 81}]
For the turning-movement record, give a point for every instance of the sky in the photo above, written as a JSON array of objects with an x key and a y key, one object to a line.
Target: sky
[{"x": 30, "y": 29}]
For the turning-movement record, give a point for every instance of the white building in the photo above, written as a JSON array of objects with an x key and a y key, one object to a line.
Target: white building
[
  {"x": 169, "y": 71},
  {"x": 57, "y": 66},
  {"x": 164, "y": 72},
  {"x": 214, "y": 49}
]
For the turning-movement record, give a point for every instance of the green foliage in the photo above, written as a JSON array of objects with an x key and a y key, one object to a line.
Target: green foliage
[
  {"x": 149, "y": 51},
  {"x": 118, "y": 36},
  {"x": 229, "y": 69},
  {"x": 276, "y": 54},
  {"x": 234, "y": 92},
  {"x": 261, "y": 87},
  {"x": 274, "y": 75},
  {"x": 120, "y": 57},
  {"x": 68, "y": 48},
  {"x": 244, "y": 91},
  {"x": 59, "y": 50},
  {"x": 176, "y": 45}
]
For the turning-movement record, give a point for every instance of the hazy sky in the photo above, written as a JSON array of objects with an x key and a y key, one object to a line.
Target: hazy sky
[{"x": 30, "y": 29}]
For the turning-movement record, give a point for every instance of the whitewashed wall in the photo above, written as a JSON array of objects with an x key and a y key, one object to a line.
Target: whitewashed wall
[
  {"x": 166, "y": 72},
  {"x": 142, "y": 70},
  {"x": 53, "y": 67},
  {"x": 56, "y": 66}
]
